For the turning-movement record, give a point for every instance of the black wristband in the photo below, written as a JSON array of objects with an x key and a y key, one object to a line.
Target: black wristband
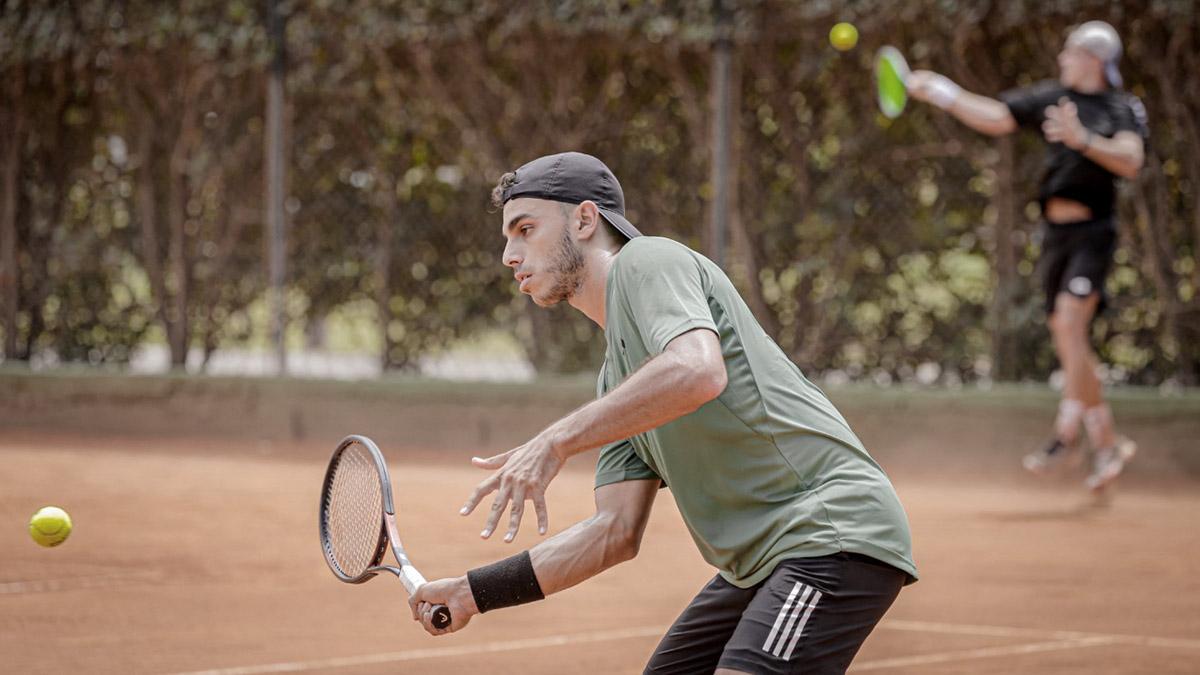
[{"x": 505, "y": 583}]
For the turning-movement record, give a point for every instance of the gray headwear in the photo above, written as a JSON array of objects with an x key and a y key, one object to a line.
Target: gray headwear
[{"x": 1100, "y": 40}]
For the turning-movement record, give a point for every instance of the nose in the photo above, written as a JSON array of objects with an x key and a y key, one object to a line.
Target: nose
[{"x": 510, "y": 257}]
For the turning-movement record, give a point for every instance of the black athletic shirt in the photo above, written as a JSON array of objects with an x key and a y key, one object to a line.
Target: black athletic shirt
[{"x": 1068, "y": 173}]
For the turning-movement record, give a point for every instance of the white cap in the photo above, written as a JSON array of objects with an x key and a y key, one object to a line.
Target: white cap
[{"x": 1100, "y": 40}]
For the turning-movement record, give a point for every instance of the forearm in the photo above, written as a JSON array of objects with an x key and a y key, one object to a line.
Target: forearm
[
  {"x": 983, "y": 114},
  {"x": 667, "y": 387},
  {"x": 570, "y": 557},
  {"x": 579, "y": 553},
  {"x": 1117, "y": 155}
]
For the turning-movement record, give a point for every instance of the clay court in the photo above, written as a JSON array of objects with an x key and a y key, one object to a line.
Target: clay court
[{"x": 200, "y": 555}]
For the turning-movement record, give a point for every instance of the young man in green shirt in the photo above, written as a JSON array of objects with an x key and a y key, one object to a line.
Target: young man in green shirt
[{"x": 808, "y": 536}]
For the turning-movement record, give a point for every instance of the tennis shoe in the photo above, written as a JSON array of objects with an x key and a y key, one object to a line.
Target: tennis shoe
[
  {"x": 1110, "y": 462},
  {"x": 1056, "y": 455}
]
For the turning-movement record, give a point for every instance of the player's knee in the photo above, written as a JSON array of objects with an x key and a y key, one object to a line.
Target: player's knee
[
  {"x": 1070, "y": 319},
  {"x": 1060, "y": 323}
]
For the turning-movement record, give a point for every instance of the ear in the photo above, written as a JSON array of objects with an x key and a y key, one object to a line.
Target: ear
[{"x": 589, "y": 219}]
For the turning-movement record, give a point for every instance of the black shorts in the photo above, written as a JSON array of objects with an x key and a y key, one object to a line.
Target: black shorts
[
  {"x": 1076, "y": 258},
  {"x": 811, "y": 615}
]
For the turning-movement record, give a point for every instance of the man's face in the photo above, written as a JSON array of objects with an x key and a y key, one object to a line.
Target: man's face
[
  {"x": 1075, "y": 65},
  {"x": 546, "y": 260}
]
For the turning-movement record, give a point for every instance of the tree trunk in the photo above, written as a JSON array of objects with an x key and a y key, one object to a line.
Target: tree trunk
[
  {"x": 177, "y": 264},
  {"x": 9, "y": 275},
  {"x": 746, "y": 263},
  {"x": 147, "y": 207},
  {"x": 1156, "y": 263},
  {"x": 385, "y": 231},
  {"x": 1004, "y": 356}
]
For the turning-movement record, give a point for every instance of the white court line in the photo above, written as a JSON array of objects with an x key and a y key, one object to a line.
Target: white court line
[
  {"x": 1009, "y": 631},
  {"x": 78, "y": 583},
  {"x": 982, "y": 653},
  {"x": 442, "y": 652},
  {"x": 1059, "y": 640}
]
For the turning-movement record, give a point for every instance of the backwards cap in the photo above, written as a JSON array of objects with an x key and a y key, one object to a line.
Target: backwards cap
[{"x": 1100, "y": 40}]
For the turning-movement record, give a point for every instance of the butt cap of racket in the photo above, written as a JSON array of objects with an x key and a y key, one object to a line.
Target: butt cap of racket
[{"x": 441, "y": 616}]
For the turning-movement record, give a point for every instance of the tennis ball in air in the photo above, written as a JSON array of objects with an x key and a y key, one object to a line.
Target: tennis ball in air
[
  {"x": 843, "y": 36},
  {"x": 50, "y": 526}
]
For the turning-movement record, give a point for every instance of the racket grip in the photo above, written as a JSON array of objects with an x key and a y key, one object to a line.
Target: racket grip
[{"x": 441, "y": 616}]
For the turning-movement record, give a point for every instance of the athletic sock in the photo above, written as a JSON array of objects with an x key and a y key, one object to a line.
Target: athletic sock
[
  {"x": 1066, "y": 424},
  {"x": 1098, "y": 421}
]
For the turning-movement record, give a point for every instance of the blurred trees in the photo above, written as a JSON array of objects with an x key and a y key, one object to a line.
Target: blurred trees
[{"x": 131, "y": 155}]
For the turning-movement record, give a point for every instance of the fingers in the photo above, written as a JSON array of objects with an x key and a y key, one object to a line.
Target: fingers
[
  {"x": 514, "y": 519},
  {"x": 1052, "y": 130},
  {"x": 516, "y": 514},
  {"x": 414, "y": 605},
  {"x": 484, "y": 489},
  {"x": 494, "y": 462},
  {"x": 498, "y": 504},
  {"x": 916, "y": 84},
  {"x": 543, "y": 517}
]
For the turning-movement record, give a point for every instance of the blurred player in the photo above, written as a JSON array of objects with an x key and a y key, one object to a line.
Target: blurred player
[
  {"x": 1095, "y": 134},
  {"x": 808, "y": 536}
]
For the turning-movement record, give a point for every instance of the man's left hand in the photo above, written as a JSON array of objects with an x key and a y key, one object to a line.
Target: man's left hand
[
  {"x": 524, "y": 474},
  {"x": 1062, "y": 125}
]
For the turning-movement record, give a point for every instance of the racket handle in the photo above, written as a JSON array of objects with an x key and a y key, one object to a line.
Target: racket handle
[{"x": 441, "y": 616}]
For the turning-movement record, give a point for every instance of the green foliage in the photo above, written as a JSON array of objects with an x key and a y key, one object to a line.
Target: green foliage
[{"x": 864, "y": 245}]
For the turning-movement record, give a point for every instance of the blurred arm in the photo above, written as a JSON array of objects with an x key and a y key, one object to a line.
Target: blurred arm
[
  {"x": 1123, "y": 154},
  {"x": 981, "y": 113}
]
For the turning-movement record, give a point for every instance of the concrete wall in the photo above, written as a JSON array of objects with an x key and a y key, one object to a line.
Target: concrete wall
[{"x": 922, "y": 429}]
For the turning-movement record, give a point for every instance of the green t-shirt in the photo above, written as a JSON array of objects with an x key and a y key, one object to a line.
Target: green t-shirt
[{"x": 769, "y": 470}]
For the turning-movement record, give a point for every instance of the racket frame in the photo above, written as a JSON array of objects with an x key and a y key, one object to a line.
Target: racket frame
[
  {"x": 899, "y": 65},
  {"x": 389, "y": 536}
]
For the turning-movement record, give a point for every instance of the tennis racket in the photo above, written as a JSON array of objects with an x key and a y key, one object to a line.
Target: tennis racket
[
  {"x": 358, "y": 520},
  {"x": 891, "y": 74}
]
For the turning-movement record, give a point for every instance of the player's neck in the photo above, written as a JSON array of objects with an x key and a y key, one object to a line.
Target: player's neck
[
  {"x": 590, "y": 298},
  {"x": 1090, "y": 85}
]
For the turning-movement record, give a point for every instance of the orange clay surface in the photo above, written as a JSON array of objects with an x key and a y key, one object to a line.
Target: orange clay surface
[{"x": 198, "y": 555}]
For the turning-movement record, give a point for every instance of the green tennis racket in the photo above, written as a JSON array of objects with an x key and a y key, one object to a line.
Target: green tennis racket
[{"x": 891, "y": 73}]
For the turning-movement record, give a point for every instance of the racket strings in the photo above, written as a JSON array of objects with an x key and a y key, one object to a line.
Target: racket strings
[{"x": 354, "y": 511}]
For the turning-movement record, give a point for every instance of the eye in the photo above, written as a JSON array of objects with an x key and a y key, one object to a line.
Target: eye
[{"x": 526, "y": 228}]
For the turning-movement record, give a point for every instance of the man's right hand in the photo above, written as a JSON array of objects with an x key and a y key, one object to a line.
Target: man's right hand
[
  {"x": 918, "y": 83},
  {"x": 931, "y": 87}
]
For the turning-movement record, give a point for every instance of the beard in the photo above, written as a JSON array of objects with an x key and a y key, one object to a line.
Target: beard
[{"x": 566, "y": 267}]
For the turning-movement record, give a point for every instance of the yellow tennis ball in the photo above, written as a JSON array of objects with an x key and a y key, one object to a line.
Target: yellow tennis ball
[
  {"x": 843, "y": 36},
  {"x": 50, "y": 526}
]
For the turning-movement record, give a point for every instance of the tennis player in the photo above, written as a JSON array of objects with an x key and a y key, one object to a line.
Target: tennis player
[
  {"x": 1095, "y": 134},
  {"x": 809, "y": 539}
]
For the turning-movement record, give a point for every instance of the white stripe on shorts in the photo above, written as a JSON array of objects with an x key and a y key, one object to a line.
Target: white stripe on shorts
[
  {"x": 800, "y": 629},
  {"x": 779, "y": 619},
  {"x": 794, "y": 614}
]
